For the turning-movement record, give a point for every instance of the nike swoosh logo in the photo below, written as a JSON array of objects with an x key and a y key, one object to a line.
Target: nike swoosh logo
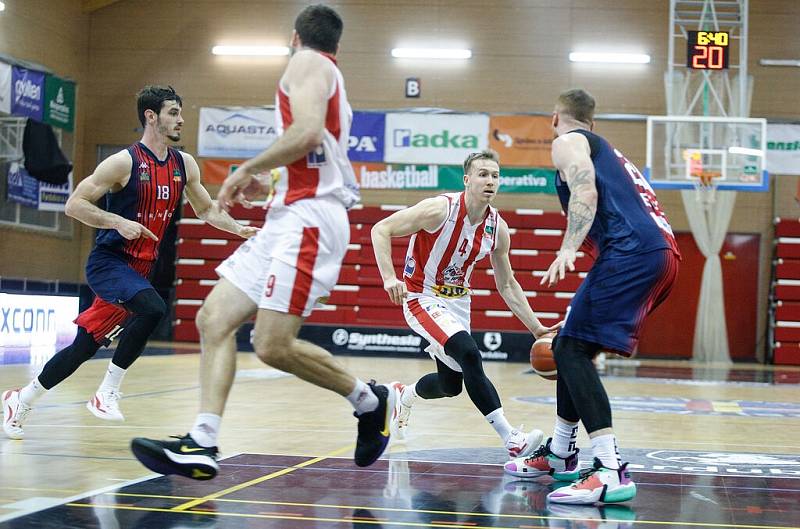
[
  {"x": 187, "y": 450},
  {"x": 199, "y": 473}
]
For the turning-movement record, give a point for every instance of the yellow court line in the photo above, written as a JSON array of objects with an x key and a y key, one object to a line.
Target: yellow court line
[
  {"x": 417, "y": 524},
  {"x": 240, "y": 486}
]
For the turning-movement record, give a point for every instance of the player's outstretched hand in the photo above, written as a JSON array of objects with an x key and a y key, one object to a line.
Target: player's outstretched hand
[
  {"x": 233, "y": 187},
  {"x": 133, "y": 230},
  {"x": 245, "y": 232},
  {"x": 542, "y": 330},
  {"x": 396, "y": 290},
  {"x": 565, "y": 260}
]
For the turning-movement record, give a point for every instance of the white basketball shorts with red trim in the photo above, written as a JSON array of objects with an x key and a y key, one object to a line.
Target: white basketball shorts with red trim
[
  {"x": 295, "y": 259},
  {"x": 437, "y": 320}
]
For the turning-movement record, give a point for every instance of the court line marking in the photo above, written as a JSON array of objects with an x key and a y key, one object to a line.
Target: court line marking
[
  {"x": 94, "y": 492},
  {"x": 272, "y": 475},
  {"x": 432, "y": 524}
]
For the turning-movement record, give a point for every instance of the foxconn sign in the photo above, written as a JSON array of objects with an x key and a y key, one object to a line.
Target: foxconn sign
[{"x": 30, "y": 321}]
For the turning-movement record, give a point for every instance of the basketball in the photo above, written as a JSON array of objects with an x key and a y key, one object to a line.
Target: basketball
[{"x": 542, "y": 357}]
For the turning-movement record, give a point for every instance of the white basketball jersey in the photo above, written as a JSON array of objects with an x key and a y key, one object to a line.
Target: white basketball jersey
[
  {"x": 326, "y": 171},
  {"x": 440, "y": 263}
]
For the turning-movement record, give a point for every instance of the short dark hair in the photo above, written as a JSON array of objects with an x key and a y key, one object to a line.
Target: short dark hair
[
  {"x": 578, "y": 103},
  {"x": 486, "y": 154},
  {"x": 152, "y": 97},
  {"x": 320, "y": 28}
]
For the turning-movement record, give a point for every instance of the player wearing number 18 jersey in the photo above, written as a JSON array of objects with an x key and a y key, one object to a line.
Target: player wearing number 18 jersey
[
  {"x": 612, "y": 208},
  {"x": 143, "y": 186}
]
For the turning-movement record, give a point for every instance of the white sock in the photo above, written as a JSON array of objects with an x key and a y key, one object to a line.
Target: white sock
[
  {"x": 604, "y": 448},
  {"x": 362, "y": 398},
  {"x": 498, "y": 420},
  {"x": 565, "y": 436},
  {"x": 113, "y": 378},
  {"x": 32, "y": 392},
  {"x": 206, "y": 429},
  {"x": 409, "y": 395}
]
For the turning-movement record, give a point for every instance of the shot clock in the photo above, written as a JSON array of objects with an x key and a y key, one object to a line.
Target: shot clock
[{"x": 707, "y": 50}]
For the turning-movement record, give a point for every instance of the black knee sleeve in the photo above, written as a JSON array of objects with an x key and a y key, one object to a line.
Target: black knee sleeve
[
  {"x": 463, "y": 349},
  {"x": 148, "y": 308},
  {"x": 67, "y": 360},
  {"x": 581, "y": 383}
]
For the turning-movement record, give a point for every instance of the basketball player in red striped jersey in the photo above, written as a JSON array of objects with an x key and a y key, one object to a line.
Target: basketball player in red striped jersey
[
  {"x": 142, "y": 186},
  {"x": 450, "y": 233},
  {"x": 282, "y": 273}
]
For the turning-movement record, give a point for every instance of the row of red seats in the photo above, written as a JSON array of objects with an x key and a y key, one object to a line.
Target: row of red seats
[
  {"x": 359, "y": 299},
  {"x": 785, "y": 321}
]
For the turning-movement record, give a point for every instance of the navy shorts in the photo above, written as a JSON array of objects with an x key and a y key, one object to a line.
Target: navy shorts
[
  {"x": 616, "y": 296},
  {"x": 116, "y": 277}
]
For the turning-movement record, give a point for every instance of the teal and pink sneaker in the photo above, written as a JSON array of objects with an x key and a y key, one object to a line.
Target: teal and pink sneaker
[{"x": 599, "y": 485}]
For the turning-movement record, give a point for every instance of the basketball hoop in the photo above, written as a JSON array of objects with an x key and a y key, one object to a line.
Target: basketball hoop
[
  {"x": 705, "y": 186},
  {"x": 705, "y": 168}
]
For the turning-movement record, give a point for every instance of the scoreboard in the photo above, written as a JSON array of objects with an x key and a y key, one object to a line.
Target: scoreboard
[{"x": 707, "y": 50}]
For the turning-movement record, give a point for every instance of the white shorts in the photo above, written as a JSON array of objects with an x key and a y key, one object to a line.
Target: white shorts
[
  {"x": 295, "y": 259},
  {"x": 436, "y": 320}
]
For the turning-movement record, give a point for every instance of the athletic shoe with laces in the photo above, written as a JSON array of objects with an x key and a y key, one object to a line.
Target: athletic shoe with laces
[
  {"x": 545, "y": 462},
  {"x": 600, "y": 485},
  {"x": 521, "y": 444},
  {"x": 14, "y": 414},
  {"x": 105, "y": 405},
  {"x": 401, "y": 413},
  {"x": 374, "y": 427},
  {"x": 183, "y": 457}
]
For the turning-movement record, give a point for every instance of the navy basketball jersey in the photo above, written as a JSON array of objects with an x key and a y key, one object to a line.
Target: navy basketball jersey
[
  {"x": 150, "y": 198},
  {"x": 629, "y": 219}
]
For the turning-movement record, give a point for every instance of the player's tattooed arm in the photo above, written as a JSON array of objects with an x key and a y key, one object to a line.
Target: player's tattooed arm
[
  {"x": 572, "y": 157},
  {"x": 582, "y": 205}
]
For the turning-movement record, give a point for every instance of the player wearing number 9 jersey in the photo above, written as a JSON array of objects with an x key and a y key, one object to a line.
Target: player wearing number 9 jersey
[
  {"x": 142, "y": 186},
  {"x": 611, "y": 208}
]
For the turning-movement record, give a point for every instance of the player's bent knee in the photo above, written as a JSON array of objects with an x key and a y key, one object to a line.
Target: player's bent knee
[{"x": 274, "y": 353}]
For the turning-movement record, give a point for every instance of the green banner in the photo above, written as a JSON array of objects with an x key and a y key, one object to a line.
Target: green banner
[
  {"x": 512, "y": 179},
  {"x": 59, "y": 102}
]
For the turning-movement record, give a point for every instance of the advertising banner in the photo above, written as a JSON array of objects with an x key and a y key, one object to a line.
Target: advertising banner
[
  {"x": 235, "y": 132},
  {"x": 54, "y": 197},
  {"x": 59, "y": 102},
  {"x": 27, "y": 93},
  {"x": 366, "y": 137},
  {"x": 22, "y": 187},
  {"x": 783, "y": 149},
  {"x": 521, "y": 141},
  {"x": 512, "y": 180},
  {"x": 434, "y": 138},
  {"x": 215, "y": 171},
  {"x": 396, "y": 176},
  {"x": 31, "y": 321},
  {"x": 5, "y": 88}
]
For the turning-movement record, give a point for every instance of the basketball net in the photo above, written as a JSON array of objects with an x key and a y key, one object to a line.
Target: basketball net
[{"x": 705, "y": 186}]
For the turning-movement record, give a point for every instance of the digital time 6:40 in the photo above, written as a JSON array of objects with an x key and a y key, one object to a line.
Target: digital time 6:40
[{"x": 707, "y": 50}]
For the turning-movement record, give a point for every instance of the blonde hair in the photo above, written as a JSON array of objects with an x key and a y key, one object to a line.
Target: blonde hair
[
  {"x": 578, "y": 104},
  {"x": 486, "y": 154}
]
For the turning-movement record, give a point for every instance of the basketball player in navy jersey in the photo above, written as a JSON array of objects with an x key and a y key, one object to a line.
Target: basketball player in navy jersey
[
  {"x": 613, "y": 211},
  {"x": 143, "y": 186}
]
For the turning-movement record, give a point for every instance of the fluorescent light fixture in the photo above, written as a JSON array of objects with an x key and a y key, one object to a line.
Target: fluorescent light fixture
[
  {"x": 431, "y": 53},
  {"x": 779, "y": 62},
  {"x": 251, "y": 51},
  {"x": 2, "y": 6},
  {"x": 746, "y": 151},
  {"x": 616, "y": 58}
]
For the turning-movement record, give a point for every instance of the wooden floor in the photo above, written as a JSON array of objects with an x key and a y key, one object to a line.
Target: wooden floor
[{"x": 746, "y": 414}]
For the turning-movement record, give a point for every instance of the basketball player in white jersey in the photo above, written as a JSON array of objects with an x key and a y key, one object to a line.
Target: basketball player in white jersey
[
  {"x": 294, "y": 261},
  {"x": 450, "y": 233}
]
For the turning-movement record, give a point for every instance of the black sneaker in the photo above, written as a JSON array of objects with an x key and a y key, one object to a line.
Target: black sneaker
[
  {"x": 184, "y": 457},
  {"x": 373, "y": 426}
]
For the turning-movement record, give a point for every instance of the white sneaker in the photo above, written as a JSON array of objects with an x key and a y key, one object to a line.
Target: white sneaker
[
  {"x": 105, "y": 405},
  {"x": 521, "y": 444},
  {"x": 14, "y": 414},
  {"x": 401, "y": 413}
]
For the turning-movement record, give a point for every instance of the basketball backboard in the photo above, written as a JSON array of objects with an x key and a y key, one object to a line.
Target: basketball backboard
[{"x": 727, "y": 153}]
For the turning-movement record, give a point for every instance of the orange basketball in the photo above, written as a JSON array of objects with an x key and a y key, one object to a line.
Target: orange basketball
[{"x": 542, "y": 357}]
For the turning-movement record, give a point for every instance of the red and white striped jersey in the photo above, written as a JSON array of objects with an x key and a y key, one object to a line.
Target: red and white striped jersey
[
  {"x": 326, "y": 171},
  {"x": 440, "y": 263}
]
